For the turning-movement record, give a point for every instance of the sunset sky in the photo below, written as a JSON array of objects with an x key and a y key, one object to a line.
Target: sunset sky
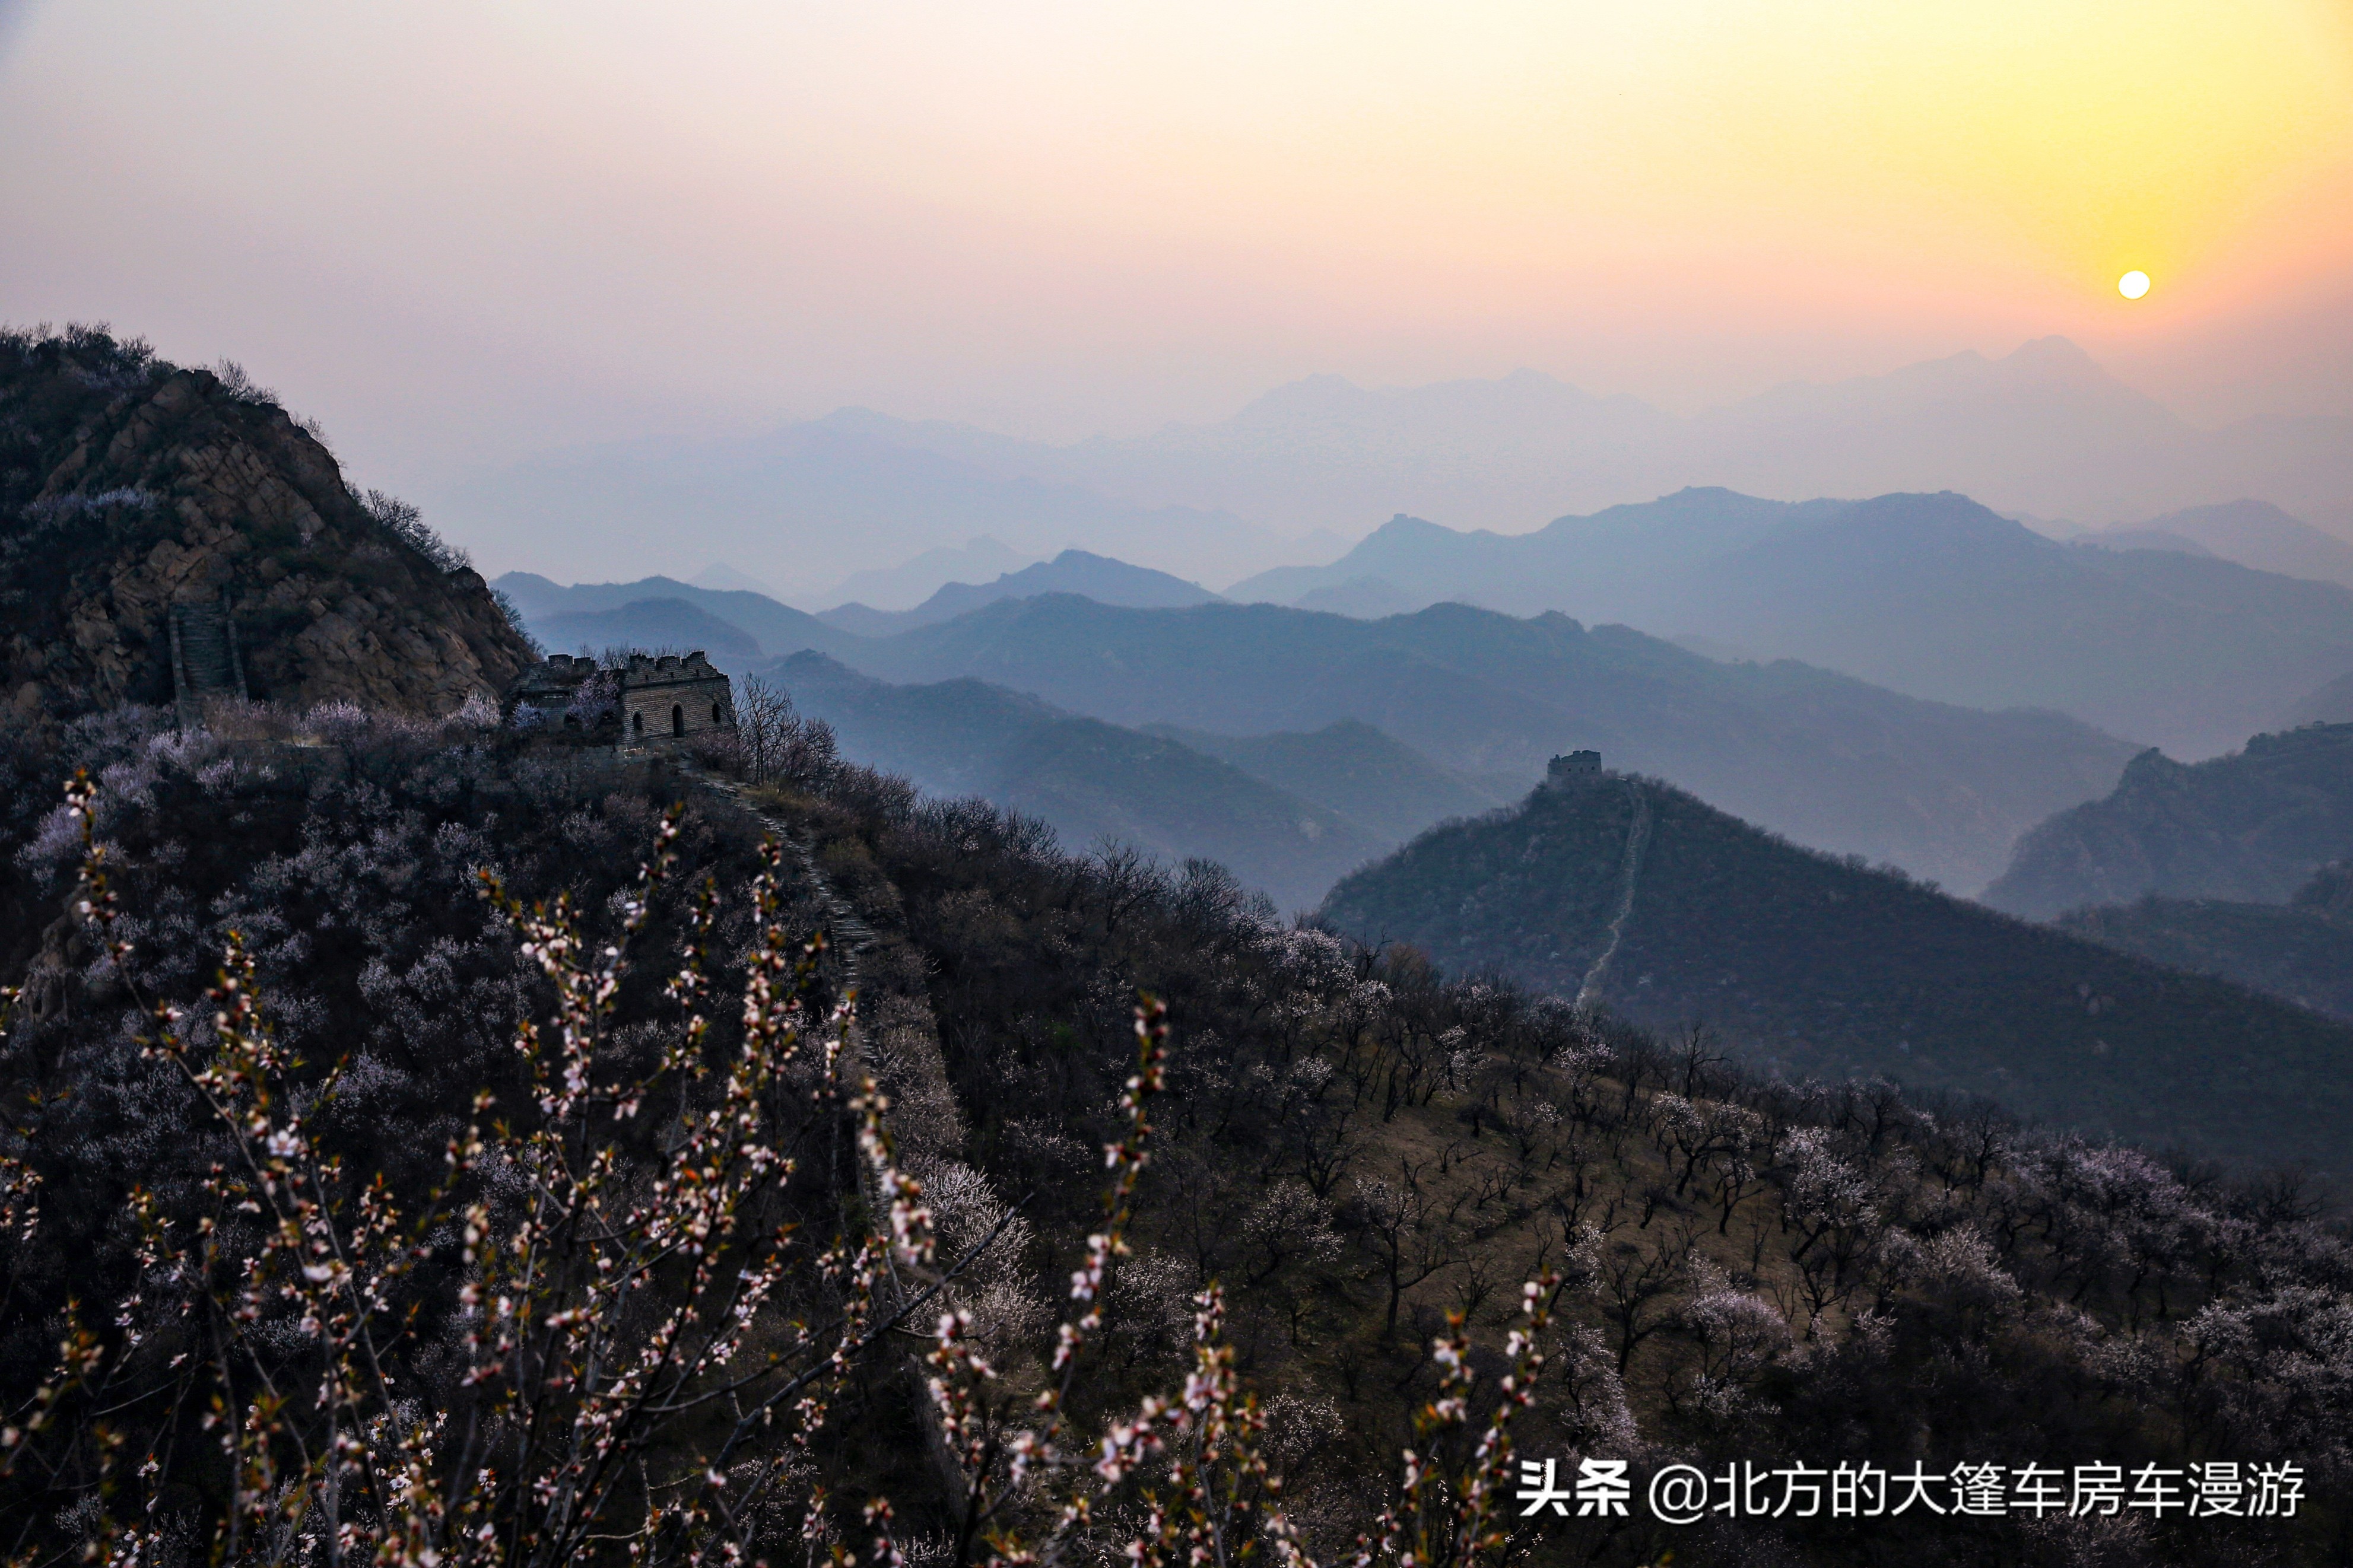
[{"x": 463, "y": 232}]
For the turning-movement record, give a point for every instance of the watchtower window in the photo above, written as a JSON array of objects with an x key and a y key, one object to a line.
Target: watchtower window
[
  {"x": 715, "y": 713},
  {"x": 637, "y": 721},
  {"x": 677, "y": 720}
]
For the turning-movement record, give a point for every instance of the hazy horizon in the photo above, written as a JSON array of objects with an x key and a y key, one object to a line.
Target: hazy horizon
[{"x": 464, "y": 237}]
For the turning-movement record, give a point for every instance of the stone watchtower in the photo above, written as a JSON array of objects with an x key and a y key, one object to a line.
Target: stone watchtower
[
  {"x": 1575, "y": 766},
  {"x": 652, "y": 701},
  {"x": 673, "y": 699}
]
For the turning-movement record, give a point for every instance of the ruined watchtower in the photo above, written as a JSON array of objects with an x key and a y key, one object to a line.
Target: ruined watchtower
[
  {"x": 673, "y": 699},
  {"x": 1575, "y": 766},
  {"x": 645, "y": 701},
  {"x": 550, "y": 688}
]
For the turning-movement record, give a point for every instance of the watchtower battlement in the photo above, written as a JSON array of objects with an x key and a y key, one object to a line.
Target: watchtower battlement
[
  {"x": 651, "y": 700},
  {"x": 669, "y": 697}
]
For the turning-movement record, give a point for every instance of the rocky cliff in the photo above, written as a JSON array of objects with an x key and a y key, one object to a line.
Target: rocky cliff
[
  {"x": 2249, "y": 827},
  {"x": 135, "y": 494}
]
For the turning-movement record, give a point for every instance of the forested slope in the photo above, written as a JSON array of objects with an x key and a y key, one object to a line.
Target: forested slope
[
  {"x": 2301, "y": 950},
  {"x": 1352, "y": 1144},
  {"x": 1639, "y": 895}
]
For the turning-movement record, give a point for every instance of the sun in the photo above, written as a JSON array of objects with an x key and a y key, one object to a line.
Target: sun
[{"x": 2133, "y": 284}]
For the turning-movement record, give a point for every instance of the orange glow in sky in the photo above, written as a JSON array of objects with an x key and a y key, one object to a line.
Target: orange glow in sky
[{"x": 534, "y": 222}]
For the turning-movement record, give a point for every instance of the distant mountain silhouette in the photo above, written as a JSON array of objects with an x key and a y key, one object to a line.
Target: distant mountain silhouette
[
  {"x": 1931, "y": 594},
  {"x": 807, "y": 504},
  {"x": 2043, "y": 430},
  {"x": 1634, "y": 894},
  {"x": 653, "y": 623},
  {"x": 909, "y": 584},
  {"x": 1386, "y": 787},
  {"x": 2144, "y": 536},
  {"x": 2258, "y": 535},
  {"x": 2250, "y": 827},
  {"x": 725, "y": 578},
  {"x": 1097, "y": 577},
  {"x": 1825, "y": 758},
  {"x": 772, "y": 628},
  {"x": 2301, "y": 952},
  {"x": 1088, "y": 780}
]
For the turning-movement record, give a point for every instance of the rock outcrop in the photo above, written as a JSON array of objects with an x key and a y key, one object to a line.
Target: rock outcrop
[
  {"x": 2249, "y": 827},
  {"x": 129, "y": 487}
]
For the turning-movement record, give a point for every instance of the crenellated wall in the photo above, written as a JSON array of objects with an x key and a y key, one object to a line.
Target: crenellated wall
[{"x": 673, "y": 698}]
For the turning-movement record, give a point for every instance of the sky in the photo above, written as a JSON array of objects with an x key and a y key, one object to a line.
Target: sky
[{"x": 463, "y": 233}]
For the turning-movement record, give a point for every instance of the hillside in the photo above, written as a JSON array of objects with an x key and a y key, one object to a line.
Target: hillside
[
  {"x": 1930, "y": 595},
  {"x": 1828, "y": 760},
  {"x": 1088, "y": 780},
  {"x": 2250, "y": 827},
  {"x": 2301, "y": 950},
  {"x": 1096, "y": 577},
  {"x": 135, "y": 495},
  {"x": 1638, "y": 896},
  {"x": 1352, "y": 1146}
]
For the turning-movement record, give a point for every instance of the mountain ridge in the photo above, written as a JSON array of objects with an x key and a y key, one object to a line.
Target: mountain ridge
[
  {"x": 1830, "y": 760},
  {"x": 1936, "y": 596},
  {"x": 774, "y": 626},
  {"x": 1102, "y": 578},
  {"x": 2250, "y": 826},
  {"x": 144, "y": 505},
  {"x": 1624, "y": 890},
  {"x": 1088, "y": 780}
]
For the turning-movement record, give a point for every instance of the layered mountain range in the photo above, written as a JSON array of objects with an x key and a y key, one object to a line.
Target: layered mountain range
[
  {"x": 2250, "y": 532},
  {"x": 1932, "y": 594},
  {"x": 1096, "y": 577},
  {"x": 2042, "y": 430},
  {"x": 1834, "y": 762},
  {"x": 1095, "y": 782}
]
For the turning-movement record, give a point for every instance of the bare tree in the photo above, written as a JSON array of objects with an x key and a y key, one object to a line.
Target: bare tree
[
  {"x": 1633, "y": 1282},
  {"x": 762, "y": 715},
  {"x": 1399, "y": 1224}
]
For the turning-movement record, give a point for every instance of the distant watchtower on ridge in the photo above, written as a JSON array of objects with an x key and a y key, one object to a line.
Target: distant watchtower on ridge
[{"x": 1576, "y": 765}]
